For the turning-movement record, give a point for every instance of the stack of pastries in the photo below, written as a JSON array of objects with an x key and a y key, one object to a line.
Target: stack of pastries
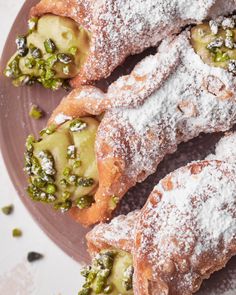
[{"x": 97, "y": 145}]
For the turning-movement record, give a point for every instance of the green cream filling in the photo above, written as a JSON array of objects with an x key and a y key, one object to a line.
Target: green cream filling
[
  {"x": 52, "y": 51},
  {"x": 62, "y": 164},
  {"x": 217, "y": 49},
  {"x": 111, "y": 272}
]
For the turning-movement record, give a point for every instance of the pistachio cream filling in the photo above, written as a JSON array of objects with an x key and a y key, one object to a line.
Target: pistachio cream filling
[
  {"x": 62, "y": 166},
  {"x": 50, "y": 53},
  {"x": 111, "y": 272},
  {"x": 215, "y": 42}
]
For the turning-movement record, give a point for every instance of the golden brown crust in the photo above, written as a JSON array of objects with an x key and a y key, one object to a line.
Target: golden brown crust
[
  {"x": 119, "y": 234},
  {"x": 93, "y": 103}
]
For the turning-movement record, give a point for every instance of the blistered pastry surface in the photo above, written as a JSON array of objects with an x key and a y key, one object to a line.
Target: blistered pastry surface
[
  {"x": 120, "y": 28},
  {"x": 187, "y": 229},
  {"x": 178, "y": 111},
  {"x": 119, "y": 233}
]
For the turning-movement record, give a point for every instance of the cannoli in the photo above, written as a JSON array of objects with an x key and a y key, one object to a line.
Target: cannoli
[
  {"x": 185, "y": 232},
  {"x": 87, "y": 40},
  {"x": 192, "y": 97}
]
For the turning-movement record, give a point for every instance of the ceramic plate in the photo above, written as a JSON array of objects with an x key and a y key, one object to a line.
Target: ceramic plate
[{"x": 15, "y": 125}]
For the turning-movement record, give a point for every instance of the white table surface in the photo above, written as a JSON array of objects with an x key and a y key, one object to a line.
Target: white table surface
[{"x": 56, "y": 274}]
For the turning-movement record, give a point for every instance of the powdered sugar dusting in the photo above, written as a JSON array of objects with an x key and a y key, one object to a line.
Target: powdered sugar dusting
[
  {"x": 225, "y": 149},
  {"x": 193, "y": 220},
  {"x": 221, "y": 283},
  {"x": 61, "y": 118},
  {"x": 119, "y": 233},
  {"x": 178, "y": 111},
  {"x": 185, "y": 82},
  {"x": 121, "y": 28}
]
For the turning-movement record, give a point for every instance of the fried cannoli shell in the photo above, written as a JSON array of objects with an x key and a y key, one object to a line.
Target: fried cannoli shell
[
  {"x": 122, "y": 28},
  {"x": 186, "y": 230},
  {"x": 119, "y": 234},
  {"x": 131, "y": 142}
]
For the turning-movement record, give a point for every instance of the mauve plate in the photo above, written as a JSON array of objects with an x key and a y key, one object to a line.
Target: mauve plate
[{"x": 15, "y": 125}]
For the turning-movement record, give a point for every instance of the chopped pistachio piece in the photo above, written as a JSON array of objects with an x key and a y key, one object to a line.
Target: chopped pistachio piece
[
  {"x": 7, "y": 210},
  {"x": 51, "y": 198},
  {"x": 73, "y": 50},
  {"x": 23, "y": 51},
  {"x": 229, "y": 33},
  {"x": 53, "y": 84},
  {"x": 217, "y": 43},
  {"x": 71, "y": 152},
  {"x": 13, "y": 70},
  {"x": 77, "y": 164},
  {"x": 99, "y": 284},
  {"x": 77, "y": 125},
  {"x": 65, "y": 196},
  {"x": 228, "y": 23},
  {"x": 51, "y": 188},
  {"x": 221, "y": 56},
  {"x": 35, "y": 112},
  {"x": 72, "y": 179},
  {"x": 66, "y": 70},
  {"x": 128, "y": 278},
  {"x": 47, "y": 162},
  {"x": 21, "y": 45},
  {"x": 84, "y": 202},
  {"x": 49, "y": 46},
  {"x": 16, "y": 233},
  {"x": 64, "y": 58},
  {"x": 66, "y": 171},
  {"x": 214, "y": 26},
  {"x": 22, "y": 80},
  {"x": 85, "y": 271},
  {"x": 85, "y": 291},
  {"x": 63, "y": 182},
  {"x": 34, "y": 256},
  {"x": 21, "y": 42},
  {"x": 63, "y": 206},
  {"x": 107, "y": 289},
  {"x": 85, "y": 182},
  {"x": 32, "y": 24},
  {"x": 49, "y": 74},
  {"x": 114, "y": 201},
  {"x": 232, "y": 66},
  {"x": 35, "y": 52},
  {"x": 229, "y": 42},
  {"x": 30, "y": 62},
  {"x": 39, "y": 182},
  {"x": 51, "y": 60},
  {"x": 49, "y": 130}
]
